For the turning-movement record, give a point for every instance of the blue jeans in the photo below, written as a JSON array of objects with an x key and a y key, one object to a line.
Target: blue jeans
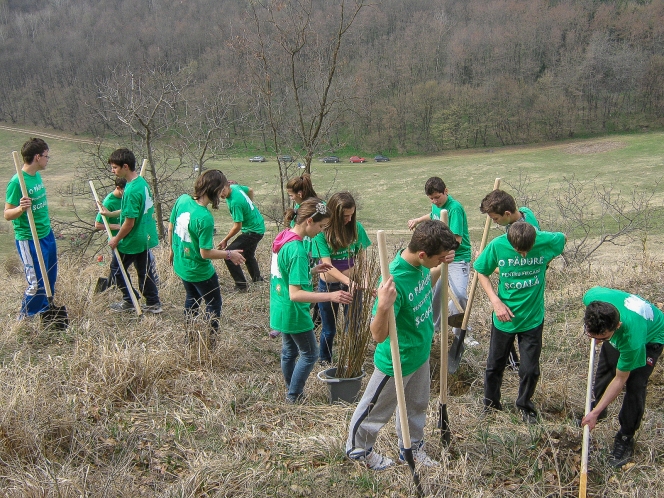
[
  {"x": 208, "y": 291},
  {"x": 298, "y": 357},
  {"x": 328, "y": 317},
  {"x": 34, "y": 298}
]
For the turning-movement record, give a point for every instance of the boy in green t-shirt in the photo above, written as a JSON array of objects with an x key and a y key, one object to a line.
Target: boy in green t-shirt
[
  {"x": 137, "y": 234},
  {"x": 522, "y": 256},
  {"x": 632, "y": 334},
  {"x": 35, "y": 154},
  {"x": 248, "y": 220},
  {"x": 409, "y": 292},
  {"x": 501, "y": 208},
  {"x": 437, "y": 192}
]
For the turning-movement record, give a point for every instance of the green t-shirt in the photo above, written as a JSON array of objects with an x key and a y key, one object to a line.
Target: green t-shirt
[
  {"x": 244, "y": 211},
  {"x": 642, "y": 323},
  {"x": 414, "y": 317},
  {"x": 193, "y": 230},
  {"x": 521, "y": 280},
  {"x": 36, "y": 192},
  {"x": 321, "y": 249},
  {"x": 111, "y": 203},
  {"x": 137, "y": 203},
  {"x": 458, "y": 224},
  {"x": 290, "y": 266},
  {"x": 527, "y": 216}
]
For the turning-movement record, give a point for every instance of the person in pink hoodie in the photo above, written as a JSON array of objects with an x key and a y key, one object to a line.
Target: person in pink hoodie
[{"x": 291, "y": 291}]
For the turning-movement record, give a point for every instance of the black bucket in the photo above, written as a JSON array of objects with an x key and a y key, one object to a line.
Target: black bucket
[{"x": 347, "y": 390}]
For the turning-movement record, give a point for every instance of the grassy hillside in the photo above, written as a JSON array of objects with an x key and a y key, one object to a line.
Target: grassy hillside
[{"x": 119, "y": 406}]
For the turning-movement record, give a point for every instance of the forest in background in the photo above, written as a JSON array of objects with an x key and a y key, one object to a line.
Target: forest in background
[{"x": 416, "y": 76}]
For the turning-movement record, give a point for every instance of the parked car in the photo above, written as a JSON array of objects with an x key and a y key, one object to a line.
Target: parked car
[
  {"x": 330, "y": 159},
  {"x": 357, "y": 159},
  {"x": 257, "y": 159},
  {"x": 286, "y": 159},
  {"x": 381, "y": 159}
]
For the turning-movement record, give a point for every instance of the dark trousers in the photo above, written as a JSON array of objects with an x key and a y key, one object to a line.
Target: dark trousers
[
  {"x": 530, "y": 348},
  {"x": 634, "y": 402},
  {"x": 248, "y": 243},
  {"x": 147, "y": 283},
  {"x": 197, "y": 292}
]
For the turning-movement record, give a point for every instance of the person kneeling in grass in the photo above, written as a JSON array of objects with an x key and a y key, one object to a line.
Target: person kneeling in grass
[
  {"x": 632, "y": 331},
  {"x": 408, "y": 290},
  {"x": 190, "y": 232},
  {"x": 290, "y": 292},
  {"x": 522, "y": 256}
]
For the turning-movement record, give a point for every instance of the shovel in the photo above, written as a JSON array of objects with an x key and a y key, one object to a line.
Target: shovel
[
  {"x": 54, "y": 316},
  {"x": 583, "y": 481},
  {"x": 132, "y": 294},
  {"x": 443, "y": 418},
  {"x": 458, "y": 347},
  {"x": 396, "y": 365}
]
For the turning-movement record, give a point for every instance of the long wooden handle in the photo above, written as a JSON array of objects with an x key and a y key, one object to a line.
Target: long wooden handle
[
  {"x": 33, "y": 227},
  {"x": 394, "y": 345},
  {"x": 583, "y": 481},
  {"x": 137, "y": 306},
  {"x": 143, "y": 168},
  {"x": 444, "y": 296},
  {"x": 473, "y": 285}
]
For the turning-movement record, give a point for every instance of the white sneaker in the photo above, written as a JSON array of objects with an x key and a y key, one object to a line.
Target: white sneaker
[
  {"x": 374, "y": 461},
  {"x": 470, "y": 341},
  {"x": 420, "y": 456}
]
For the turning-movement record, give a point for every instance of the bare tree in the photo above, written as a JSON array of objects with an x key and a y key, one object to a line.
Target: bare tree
[{"x": 294, "y": 54}]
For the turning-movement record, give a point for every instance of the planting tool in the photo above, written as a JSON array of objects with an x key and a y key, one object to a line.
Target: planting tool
[
  {"x": 142, "y": 172},
  {"x": 456, "y": 351},
  {"x": 443, "y": 419},
  {"x": 137, "y": 306},
  {"x": 55, "y": 316},
  {"x": 583, "y": 481},
  {"x": 396, "y": 365}
]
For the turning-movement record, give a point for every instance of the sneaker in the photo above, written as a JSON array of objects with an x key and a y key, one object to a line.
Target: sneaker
[
  {"x": 374, "y": 461},
  {"x": 623, "y": 449},
  {"x": 122, "y": 306},
  {"x": 529, "y": 417},
  {"x": 152, "y": 308},
  {"x": 470, "y": 341},
  {"x": 240, "y": 289},
  {"x": 420, "y": 456}
]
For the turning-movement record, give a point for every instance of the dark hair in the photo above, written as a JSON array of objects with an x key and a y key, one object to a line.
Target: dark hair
[
  {"x": 210, "y": 183},
  {"x": 433, "y": 237},
  {"x": 120, "y": 182},
  {"x": 433, "y": 185},
  {"x": 600, "y": 317},
  {"x": 313, "y": 208},
  {"x": 522, "y": 236},
  {"x": 497, "y": 202},
  {"x": 337, "y": 233},
  {"x": 120, "y": 157},
  {"x": 302, "y": 184},
  {"x": 31, "y": 148}
]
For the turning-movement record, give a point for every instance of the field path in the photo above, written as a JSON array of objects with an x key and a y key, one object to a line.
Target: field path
[{"x": 46, "y": 135}]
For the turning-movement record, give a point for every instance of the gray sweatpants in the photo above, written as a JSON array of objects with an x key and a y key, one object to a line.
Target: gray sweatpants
[
  {"x": 379, "y": 403},
  {"x": 458, "y": 281}
]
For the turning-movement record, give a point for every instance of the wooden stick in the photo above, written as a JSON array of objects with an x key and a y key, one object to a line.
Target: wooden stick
[
  {"x": 396, "y": 365},
  {"x": 137, "y": 306},
  {"x": 143, "y": 168},
  {"x": 33, "y": 228},
  {"x": 583, "y": 481}
]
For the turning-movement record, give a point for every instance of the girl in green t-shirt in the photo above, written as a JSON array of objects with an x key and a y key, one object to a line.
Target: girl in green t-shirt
[
  {"x": 298, "y": 189},
  {"x": 190, "y": 232},
  {"x": 291, "y": 291},
  {"x": 338, "y": 245}
]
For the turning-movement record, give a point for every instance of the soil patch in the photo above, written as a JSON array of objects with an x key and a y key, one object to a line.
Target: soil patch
[{"x": 595, "y": 147}]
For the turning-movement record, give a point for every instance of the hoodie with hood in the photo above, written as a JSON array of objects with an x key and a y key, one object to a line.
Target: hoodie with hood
[{"x": 290, "y": 266}]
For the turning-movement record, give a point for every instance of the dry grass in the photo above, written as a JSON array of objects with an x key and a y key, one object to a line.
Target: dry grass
[{"x": 120, "y": 406}]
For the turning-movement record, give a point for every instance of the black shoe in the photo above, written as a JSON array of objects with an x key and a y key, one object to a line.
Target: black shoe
[
  {"x": 241, "y": 289},
  {"x": 623, "y": 449},
  {"x": 529, "y": 417}
]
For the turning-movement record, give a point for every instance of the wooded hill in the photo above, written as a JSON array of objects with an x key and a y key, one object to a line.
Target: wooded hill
[{"x": 409, "y": 76}]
